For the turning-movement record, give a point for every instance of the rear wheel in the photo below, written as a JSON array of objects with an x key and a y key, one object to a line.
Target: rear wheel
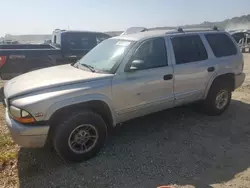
[
  {"x": 218, "y": 98},
  {"x": 80, "y": 137}
]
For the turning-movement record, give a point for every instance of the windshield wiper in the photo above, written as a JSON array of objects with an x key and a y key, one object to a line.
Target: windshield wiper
[{"x": 92, "y": 69}]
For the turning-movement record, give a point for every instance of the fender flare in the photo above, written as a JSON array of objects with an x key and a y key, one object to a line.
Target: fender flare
[
  {"x": 81, "y": 99},
  {"x": 210, "y": 82}
]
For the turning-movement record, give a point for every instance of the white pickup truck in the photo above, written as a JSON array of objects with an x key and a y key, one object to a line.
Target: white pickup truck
[{"x": 74, "y": 106}]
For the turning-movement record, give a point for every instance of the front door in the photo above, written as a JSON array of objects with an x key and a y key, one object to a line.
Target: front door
[{"x": 146, "y": 85}]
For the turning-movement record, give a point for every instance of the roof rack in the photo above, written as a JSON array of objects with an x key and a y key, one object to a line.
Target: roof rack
[{"x": 179, "y": 29}]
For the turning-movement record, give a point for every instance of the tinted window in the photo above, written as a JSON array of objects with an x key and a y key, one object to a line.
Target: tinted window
[
  {"x": 81, "y": 41},
  {"x": 221, "y": 44},
  {"x": 152, "y": 53},
  {"x": 188, "y": 49}
]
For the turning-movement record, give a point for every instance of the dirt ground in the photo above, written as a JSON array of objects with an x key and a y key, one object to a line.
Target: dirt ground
[{"x": 180, "y": 147}]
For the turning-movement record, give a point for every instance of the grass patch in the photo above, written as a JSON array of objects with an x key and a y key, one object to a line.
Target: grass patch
[
  {"x": 6, "y": 148},
  {"x": 5, "y": 140},
  {"x": 7, "y": 156}
]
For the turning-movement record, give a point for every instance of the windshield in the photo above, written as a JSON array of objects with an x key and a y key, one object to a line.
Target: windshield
[{"x": 106, "y": 55}]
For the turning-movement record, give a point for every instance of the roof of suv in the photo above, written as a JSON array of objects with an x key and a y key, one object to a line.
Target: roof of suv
[{"x": 159, "y": 33}]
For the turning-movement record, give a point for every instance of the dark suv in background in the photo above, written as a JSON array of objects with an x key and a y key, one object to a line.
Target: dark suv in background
[{"x": 65, "y": 47}]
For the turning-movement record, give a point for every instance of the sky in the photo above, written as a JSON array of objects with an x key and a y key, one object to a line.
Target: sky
[{"x": 43, "y": 16}]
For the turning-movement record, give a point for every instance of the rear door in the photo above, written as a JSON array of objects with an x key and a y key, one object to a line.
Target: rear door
[
  {"x": 192, "y": 69},
  {"x": 228, "y": 57}
]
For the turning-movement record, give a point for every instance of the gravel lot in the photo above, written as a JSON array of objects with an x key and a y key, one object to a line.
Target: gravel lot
[{"x": 180, "y": 147}]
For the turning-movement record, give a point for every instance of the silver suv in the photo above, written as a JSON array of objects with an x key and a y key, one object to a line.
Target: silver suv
[{"x": 74, "y": 106}]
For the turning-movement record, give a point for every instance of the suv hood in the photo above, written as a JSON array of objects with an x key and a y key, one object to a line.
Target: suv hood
[{"x": 48, "y": 78}]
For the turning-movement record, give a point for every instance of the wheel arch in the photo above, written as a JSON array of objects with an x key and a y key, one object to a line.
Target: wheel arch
[
  {"x": 96, "y": 105},
  {"x": 81, "y": 101},
  {"x": 226, "y": 77}
]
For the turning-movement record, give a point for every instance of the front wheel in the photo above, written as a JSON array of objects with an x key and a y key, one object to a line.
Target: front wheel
[
  {"x": 218, "y": 99},
  {"x": 80, "y": 137}
]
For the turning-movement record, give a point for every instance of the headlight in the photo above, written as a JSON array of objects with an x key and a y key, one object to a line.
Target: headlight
[{"x": 21, "y": 116}]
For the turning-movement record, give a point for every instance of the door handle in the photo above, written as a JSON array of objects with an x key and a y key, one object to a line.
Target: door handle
[
  {"x": 167, "y": 77},
  {"x": 210, "y": 69}
]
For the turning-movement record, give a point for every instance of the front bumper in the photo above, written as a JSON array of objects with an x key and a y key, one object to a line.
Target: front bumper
[
  {"x": 28, "y": 136},
  {"x": 239, "y": 79}
]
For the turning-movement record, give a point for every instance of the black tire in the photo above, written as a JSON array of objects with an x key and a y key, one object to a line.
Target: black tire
[
  {"x": 209, "y": 105},
  {"x": 63, "y": 131}
]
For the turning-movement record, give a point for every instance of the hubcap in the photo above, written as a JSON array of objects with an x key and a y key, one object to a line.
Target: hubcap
[
  {"x": 83, "y": 138},
  {"x": 221, "y": 99}
]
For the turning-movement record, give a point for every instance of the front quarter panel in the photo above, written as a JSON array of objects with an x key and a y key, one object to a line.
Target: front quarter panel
[
  {"x": 49, "y": 101},
  {"x": 80, "y": 99}
]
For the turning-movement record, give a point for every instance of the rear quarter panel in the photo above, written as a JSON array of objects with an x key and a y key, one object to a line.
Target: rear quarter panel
[{"x": 223, "y": 65}]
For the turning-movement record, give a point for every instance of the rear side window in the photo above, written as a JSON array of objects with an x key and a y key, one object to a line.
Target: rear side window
[
  {"x": 221, "y": 44},
  {"x": 188, "y": 49}
]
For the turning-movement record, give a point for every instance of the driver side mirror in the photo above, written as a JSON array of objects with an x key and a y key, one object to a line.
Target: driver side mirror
[{"x": 135, "y": 65}]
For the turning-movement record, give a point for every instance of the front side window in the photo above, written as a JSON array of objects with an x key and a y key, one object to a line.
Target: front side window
[
  {"x": 188, "y": 49},
  {"x": 151, "y": 54}
]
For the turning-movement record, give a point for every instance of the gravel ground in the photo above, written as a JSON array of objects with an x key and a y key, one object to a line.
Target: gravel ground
[{"x": 179, "y": 146}]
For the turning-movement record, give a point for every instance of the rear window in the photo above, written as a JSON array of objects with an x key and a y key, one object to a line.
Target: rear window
[
  {"x": 221, "y": 44},
  {"x": 188, "y": 49},
  {"x": 81, "y": 41}
]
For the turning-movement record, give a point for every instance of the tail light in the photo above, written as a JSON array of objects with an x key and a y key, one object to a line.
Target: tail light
[{"x": 2, "y": 60}]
